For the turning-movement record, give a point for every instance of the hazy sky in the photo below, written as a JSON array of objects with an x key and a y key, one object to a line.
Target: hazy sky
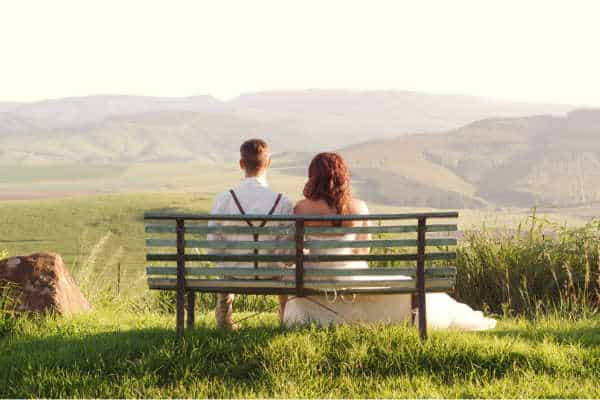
[{"x": 524, "y": 50}]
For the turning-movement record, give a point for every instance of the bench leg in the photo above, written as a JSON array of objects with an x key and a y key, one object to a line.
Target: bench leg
[
  {"x": 191, "y": 304},
  {"x": 180, "y": 306},
  {"x": 422, "y": 317},
  {"x": 421, "y": 243}
]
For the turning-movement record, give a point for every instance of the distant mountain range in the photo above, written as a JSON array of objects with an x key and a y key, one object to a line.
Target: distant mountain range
[
  {"x": 405, "y": 148},
  {"x": 105, "y": 129}
]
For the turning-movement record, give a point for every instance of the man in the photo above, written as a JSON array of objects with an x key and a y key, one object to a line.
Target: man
[{"x": 252, "y": 196}]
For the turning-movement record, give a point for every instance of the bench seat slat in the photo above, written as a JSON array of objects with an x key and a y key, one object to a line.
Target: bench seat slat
[
  {"x": 292, "y": 291},
  {"x": 409, "y": 285},
  {"x": 225, "y": 283},
  {"x": 309, "y": 271},
  {"x": 382, "y": 283}
]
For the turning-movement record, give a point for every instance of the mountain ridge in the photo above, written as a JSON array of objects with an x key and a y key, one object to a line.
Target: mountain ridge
[
  {"x": 96, "y": 128},
  {"x": 511, "y": 162}
]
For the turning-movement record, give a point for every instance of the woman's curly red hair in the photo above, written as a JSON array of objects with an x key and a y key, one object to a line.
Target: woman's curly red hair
[{"x": 329, "y": 180}]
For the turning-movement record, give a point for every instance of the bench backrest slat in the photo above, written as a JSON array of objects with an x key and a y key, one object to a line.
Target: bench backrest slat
[
  {"x": 224, "y": 244},
  {"x": 264, "y": 217},
  {"x": 308, "y": 258},
  {"x": 402, "y": 243},
  {"x": 288, "y": 244}
]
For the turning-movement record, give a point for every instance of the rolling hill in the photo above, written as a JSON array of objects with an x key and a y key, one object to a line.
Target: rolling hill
[
  {"x": 101, "y": 129},
  {"x": 405, "y": 148},
  {"x": 514, "y": 162}
]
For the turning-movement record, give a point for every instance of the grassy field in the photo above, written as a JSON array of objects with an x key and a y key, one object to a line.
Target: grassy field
[
  {"x": 101, "y": 238},
  {"x": 95, "y": 235},
  {"x": 99, "y": 235},
  {"x": 118, "y": 354},
  {"x": 126, "y": 346}
]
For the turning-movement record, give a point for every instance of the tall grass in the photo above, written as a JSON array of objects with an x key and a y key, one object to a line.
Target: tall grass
[
  {"x": 8, "y": 318},
  {"x": 540, "y": 267},
  {"x": 536, "y": 268},
  {"x": 7, "y": 304}
]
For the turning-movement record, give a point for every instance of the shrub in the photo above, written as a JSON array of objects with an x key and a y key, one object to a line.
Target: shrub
[{"x": 540, "y": 267}]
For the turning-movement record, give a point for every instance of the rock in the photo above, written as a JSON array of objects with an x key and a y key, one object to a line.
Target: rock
[{"x": 41, "y": 283}]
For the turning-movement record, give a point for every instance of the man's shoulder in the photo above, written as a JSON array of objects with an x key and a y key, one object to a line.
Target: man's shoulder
[
  {"x": 222, "y": 196},
  {"x": 286, "y": 205},
  {"x": 220, "y": 201}
]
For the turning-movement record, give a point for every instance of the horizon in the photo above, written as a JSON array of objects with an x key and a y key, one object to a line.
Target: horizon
[{"x": 300, "y": 90}]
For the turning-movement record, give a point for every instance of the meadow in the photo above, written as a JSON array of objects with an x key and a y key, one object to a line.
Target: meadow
[
  {"x": 539, "y": 279},
  {"x": 120, "y": 354}
]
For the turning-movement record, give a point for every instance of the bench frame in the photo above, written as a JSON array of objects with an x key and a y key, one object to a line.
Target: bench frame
[{"x": 299, "y": 257}]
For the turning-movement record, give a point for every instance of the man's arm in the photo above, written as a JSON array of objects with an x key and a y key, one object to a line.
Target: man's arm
[
  {"x": 285, "y": 208},
  {"x": 218, "y": 208}
]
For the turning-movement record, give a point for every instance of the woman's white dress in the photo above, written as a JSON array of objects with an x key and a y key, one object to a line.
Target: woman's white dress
[{"x": 443, "y": 312}]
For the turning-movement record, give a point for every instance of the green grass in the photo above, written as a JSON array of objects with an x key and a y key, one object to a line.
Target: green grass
[
  {"x": 540, "y": 267},
  {"x": 119, "y": 354},
  {"x": 127, "y": 347},
  {"x": 94, "y": 235},
  {"x": 101, "y": 235}
]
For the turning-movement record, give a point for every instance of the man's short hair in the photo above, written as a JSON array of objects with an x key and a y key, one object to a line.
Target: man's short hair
[{"x": 255, "y": 153}]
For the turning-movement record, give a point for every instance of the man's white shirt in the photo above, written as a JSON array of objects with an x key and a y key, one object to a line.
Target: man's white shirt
[{"x": 255, "y": 197}]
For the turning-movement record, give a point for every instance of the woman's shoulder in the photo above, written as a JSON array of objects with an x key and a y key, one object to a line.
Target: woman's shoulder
[
  {"x": 308, "y": 206},
  {"x": 357, "y": 206}
]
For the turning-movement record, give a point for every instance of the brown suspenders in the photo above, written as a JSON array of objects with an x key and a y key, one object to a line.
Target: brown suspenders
[{"x": 263, "y": 223}]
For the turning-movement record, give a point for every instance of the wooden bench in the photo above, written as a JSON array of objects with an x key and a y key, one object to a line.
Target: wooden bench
[{"x": 176, "y": 239}]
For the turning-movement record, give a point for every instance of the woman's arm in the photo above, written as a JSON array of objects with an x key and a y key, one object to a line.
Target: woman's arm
[{"x": 360, "y": 207}]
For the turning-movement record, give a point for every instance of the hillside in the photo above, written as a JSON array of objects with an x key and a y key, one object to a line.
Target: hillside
[
  {"x": 100, "y": 129},
  {"x": 506, "y": 158},
  {"x": 547, "y": 160},
  {"x": 159, "y": 136},
  {"x": 74, "y": 111}
]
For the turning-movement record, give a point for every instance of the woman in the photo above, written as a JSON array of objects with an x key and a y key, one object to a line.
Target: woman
[{"x": 328, "y": 192}]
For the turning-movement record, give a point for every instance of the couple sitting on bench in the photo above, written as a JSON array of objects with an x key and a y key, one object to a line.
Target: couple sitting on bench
[{"x": 326, "y": 192}]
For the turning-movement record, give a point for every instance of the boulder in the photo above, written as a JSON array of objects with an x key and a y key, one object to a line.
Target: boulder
[{"x": 41, "y": 283}]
